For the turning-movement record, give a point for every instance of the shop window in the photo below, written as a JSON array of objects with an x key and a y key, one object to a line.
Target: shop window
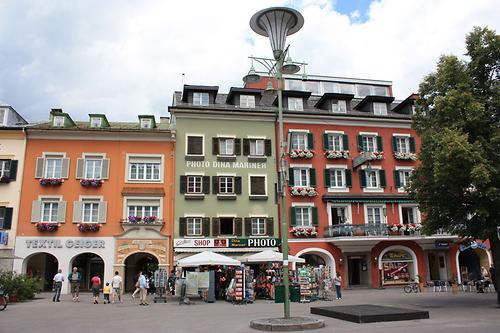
[{"x": 397, "y": 267}]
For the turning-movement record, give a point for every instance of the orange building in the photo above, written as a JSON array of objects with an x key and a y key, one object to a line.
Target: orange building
[{"x": 98, "y": 196}]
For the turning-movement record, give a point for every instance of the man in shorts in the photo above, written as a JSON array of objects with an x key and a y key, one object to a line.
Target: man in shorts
[
  {"x": 96, "y": 285},
  {"x": 116, "y": 284},
  {"x": 75, "y": 278}
]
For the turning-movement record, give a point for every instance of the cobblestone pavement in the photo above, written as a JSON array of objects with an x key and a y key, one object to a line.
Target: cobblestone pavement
[{"x": 466, "y": 312}]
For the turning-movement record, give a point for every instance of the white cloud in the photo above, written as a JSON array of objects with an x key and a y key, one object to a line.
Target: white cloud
[
  {"x": 355, "y": 14},
  {"x": 125, "y": 58}
]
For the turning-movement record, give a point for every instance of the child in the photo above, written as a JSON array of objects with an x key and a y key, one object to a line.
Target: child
[{"x": 106, "y": 291}]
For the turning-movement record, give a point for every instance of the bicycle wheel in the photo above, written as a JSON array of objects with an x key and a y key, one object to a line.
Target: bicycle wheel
[
  {"x": 3, "y": 303},
  {"x": 415, "y": 289},
  {"x": 407, "y": 289}
]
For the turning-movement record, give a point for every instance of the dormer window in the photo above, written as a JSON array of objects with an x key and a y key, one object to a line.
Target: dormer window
[
  {"x": 247, "y": 101},
  {"x": 200, "y": 98},
  {"x": 380, "y": 109},
  {"x": 339, "y": 106},
  {"x": 95, "y": 122},
  {"x": 58, "y": 121},
  {"x": 146, "y": 123},
  {"x": 295, "y": 104}
]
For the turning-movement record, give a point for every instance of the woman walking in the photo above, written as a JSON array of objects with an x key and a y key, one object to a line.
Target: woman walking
[{"x": 338, "y": 284}]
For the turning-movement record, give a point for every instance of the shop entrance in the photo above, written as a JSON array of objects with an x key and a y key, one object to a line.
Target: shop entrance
[
  {"x": 88, "y": 265},
  {"x": 357, "y": 271},
  {"x": 437, "y": 266},
  {"x": 43, "y": 266},
  {"x": 314, "y": 260},
  {"x": 471, "y": 261},
  {"x": 142, "y": 261}
]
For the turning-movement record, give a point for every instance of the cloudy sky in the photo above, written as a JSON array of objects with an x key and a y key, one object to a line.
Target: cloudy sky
[{"x": 127, "y": 57}]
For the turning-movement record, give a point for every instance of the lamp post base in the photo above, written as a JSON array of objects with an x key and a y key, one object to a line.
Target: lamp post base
[{"x": 287, "y": 325}]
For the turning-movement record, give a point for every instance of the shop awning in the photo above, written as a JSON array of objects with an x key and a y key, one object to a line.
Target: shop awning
[
  {"x": 207, "y": 258},
  {"x": 271, "y": 256}
]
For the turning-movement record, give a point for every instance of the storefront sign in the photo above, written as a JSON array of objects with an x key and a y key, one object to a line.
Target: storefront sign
[
  {"x": 473, "y": 245},
  {"x": 70, "y": 244},
  {"x": 254, "y": 242},
  {"x": 225, "y": 242},
  {"x": 226, "y": 165},
  {"x": 200, "y": 242},
  {"x": 396, "y": 256},
  {"x": 442, "y": 245}
]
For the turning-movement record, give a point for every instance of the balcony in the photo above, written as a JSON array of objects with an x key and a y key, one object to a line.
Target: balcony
[
  {"x": 370, "y": 230},
  {"x": 128, "y": 224}
]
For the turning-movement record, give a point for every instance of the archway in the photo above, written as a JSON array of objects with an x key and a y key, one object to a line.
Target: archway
[
  {"x": 318, "y": 256},
  {"x": 470, "y": 262},
  {"x": 134, "y": 263},
  {"x": 398, "y": 264},
  {"x": 88, "y": 265},
  {"x": 44, "y": 266}
]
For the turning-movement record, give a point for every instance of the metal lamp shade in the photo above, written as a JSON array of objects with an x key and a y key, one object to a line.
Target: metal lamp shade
[
  {"x": 289, "y": 67},
  {"x": 277, "y": 23},
  {"x": 252, "y": 76}
]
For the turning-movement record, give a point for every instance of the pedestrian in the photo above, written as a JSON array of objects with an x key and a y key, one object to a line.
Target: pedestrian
[
  {"x": 136, "y": 285},
  {"x": 96, "y": 285},
  {"x": 493, "y": 276},
  {"x": 144, "y": 287},
  {"x": 106, "y": 291},
  {"x": 57, "y": 285},
  {"x": 338, "y": 284},
  {"x": 75, "y": 278},
  {"x": 116, "y": 283}
]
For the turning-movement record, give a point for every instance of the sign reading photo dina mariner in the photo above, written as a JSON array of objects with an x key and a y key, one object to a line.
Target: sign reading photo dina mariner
[{"x": 228, "y": 165}]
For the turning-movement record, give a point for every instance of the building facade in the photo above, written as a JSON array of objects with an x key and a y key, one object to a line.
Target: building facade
[
  {"x": 96, "y": 195},
  {"x": 12, "y": 149}
]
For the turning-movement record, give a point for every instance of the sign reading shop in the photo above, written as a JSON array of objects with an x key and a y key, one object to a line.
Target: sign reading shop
[
  {"x": 227, "y": 242},
  {"x": 69, "y": 244}
]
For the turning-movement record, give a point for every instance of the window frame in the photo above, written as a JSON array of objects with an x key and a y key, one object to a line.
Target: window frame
[
  {"x": 146, "y": 123},
  {"x": 92, "y": 203},
  {"x": 402, "y": 141},
  {"x": 381, "y": 211},
  {"x": 296, "y": 145},
  {"x": 141, "y": 201},
  {"x": 226, "y": 185},
  {"x": 226, "y": 149},
  {"x": 295, "y": 103},
  {"x": 51, "y": 202},
  {"x": 299, "y": 176},
  {"x": 309, "y": 216},
  {"x": 336, "y": 106},
  {"x": 194, "y": 220},
  {"x": 258, "y": 220},
  {"x": 56, "y": 121},
  {"x": 93, "y": 123},
  {"x": 201, "y": 98},
  {"x": 142, "y": 161},
  {"x": 333, "y": 178},
  {"x": 366, "y": 143},
  {"x": 250, "y": 176},
  {"x": 416, "y": 213},
  {"x": 347, "y": 210},
  {"x": 331, "y": 138},
  {"x": 5, "y": 167},
  {"x": 51, "y": 157},
  {"x": 195, "y": 184},
  {"x": 202, "y": 136},
  {"x": 247, "y": 101},
  {"x": 256, "y": 148},
  {"x": 378, "y": 110}
]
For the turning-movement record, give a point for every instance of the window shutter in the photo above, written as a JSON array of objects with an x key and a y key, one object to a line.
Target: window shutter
[
  {"x": 314, "y": 211},
  {"x": 183, "y": 184},
  {"x": 215, "y": 226},
  {"x": 215, "y": 184},
  {"x": 248, "y": 226},
  {"x": 61, "y": 212},
  {"x": 7, "y": 220},
  {"x": 237, "y": 147},
  {"x": 325, "y": 141},
  {"x": 328, "y": 182},
  {"x": 205, "y": 226},
  {"x": 380, "y": 144},
  {"x": 291, "y": 181},
  {"x": 348, "y": 178},
  {"x": 345, "y": 141},
  {"x": 80, "y": 163},
  {"x": 36, "y": 211},
  {"x": 65, "y": 168},
  {"x": 397, "y": 180},
  {"x": 362, "y": 178},
  {"x": 237, "y": 185},
  {"x": 246, "y": 147},
  {"x": 268, "y": 147},
  {"x": 293, "y": 221},
  {"x": 312, "y": 177},
  {"x": 13, "y": 170},
  {"x": 395, "y": 144},
  {"x": 105, "y": 168},
  {"x": 40, "y": 164},
  {"x": 215, "y": 146},
  {"x": 413, "y": 148},
  {"x": 310, "y": 141},
  {"x": 206, "y": 185},
  {"x": 382, "y": 178},
  {"x": 182, "y": 226},
  {"x": 77, "y": 211},
  {"x": 360, "y": 143},
  {"x": 103, "y": 209},
  {"x": 270, "y": 226},
  {"x": 238, "y": 226}
]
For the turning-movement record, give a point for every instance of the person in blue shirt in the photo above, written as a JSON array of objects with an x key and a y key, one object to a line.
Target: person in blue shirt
[{"x": 143, "y": 286}]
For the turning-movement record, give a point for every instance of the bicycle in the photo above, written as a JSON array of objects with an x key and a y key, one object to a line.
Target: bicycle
[
  {"x": 4, "y": 300},
  {"x": 411, "y": 287}
]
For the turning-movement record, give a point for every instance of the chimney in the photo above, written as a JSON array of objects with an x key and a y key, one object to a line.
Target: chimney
[{"x": 164, "y": 120}]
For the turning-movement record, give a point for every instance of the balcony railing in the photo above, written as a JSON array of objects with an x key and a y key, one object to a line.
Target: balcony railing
[
  {"x": 156, "y": 222},
  {"x": 366, "y": 230}
]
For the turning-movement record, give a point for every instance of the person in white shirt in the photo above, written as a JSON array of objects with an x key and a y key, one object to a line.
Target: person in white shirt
[
  {"x": 338, "y": 284},
  {"x": 57, "y": 285},
  {"x": 116, "y": 284}
]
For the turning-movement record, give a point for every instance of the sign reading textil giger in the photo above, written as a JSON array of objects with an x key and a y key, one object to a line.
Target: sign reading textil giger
[{"x": 70, "y": 243}]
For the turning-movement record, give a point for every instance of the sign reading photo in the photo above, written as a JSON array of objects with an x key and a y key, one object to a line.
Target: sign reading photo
[{"x": 226, "y": 242}]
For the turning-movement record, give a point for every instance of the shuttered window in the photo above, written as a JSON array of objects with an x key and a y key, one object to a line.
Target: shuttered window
[
  {"x": 257, "y": 147},
  {"x": 194, "y": 145},
  {"x": 93, "y": 168},
  {"x": 49, "y": 211},
  {"x": 257, "y": 185},
  {"x": 53, "y": 167},
  {"x": 298, "y": 140},
  {"x": 4, "y": 168},
  {"x": 258, "y": 226},
  {"x": 194, "y": 226}
]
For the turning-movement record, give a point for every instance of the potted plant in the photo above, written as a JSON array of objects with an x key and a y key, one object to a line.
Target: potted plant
[
  {"x": 421, "y": 283},
  {"x": 454, "y": 284}
]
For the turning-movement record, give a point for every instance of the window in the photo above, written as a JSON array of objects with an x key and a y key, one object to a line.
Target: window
[
  {"x": 335, "y": 142},
  {"x": 226, "y": 226},
  {"x": 90, "y": 212},
  {"x": 49, "y": 211},
  {"x": 193, "y": 225},
  {"x": 369, "y": 143},
  {"x": 339, "y": 215},
  {"x": 58, "y": 121},
  {"x": 143, "y": 210},
  {"x": 372, "y": 179},
  {"x": 194, "y": 145},
  {"x": 146, "y": 123},
  {"x": 145, "y": 168},
  {"x": 257, "y": 147},
  {"x": 53, "y": 167},
  {"x": 226, "y": 185},
  {"x": 298, "y": 140},
  {"x": 247, "y": 101},
  {"x": 226, "y": 146},
  {"x": 295, "y": 104},
  {"x": 301, "y": 177},
  {"x": 302, "y": 216},
  {"x": 404, "y": 177},
  {"x": 409, "y": 215},
  {"x": 379, "y": 109},
  {"x": 258, "y": 226},
  {"x": 95, "y": 122},
  {"x": 200, "y": 99},
  {"x": 337, "y": 178},
  {"x": 374, "y": 215},
  {"x": 339, "y": 106},
  {"x": 194, "y": 184},
  {"x": 402, "y": 144},
  {"x": 93, "y": 168},
  {"x": 4, "y": 168},
  {"x": 257, "y": 185},
  {"x": 5, "y": 218},
  {"x": 2, "y": 117}
]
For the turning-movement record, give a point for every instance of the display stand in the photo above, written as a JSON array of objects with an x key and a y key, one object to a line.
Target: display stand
[
  {"x": 239, "y": 286},
  {"x": 249, "y": 285},
  {"x": 160, "y": 277},
  {"x": 305, "y": 285}
]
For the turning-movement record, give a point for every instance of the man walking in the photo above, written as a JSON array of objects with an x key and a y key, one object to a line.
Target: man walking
[
  {"x": 143, "y": 285},
  {"x": 75, "y": 278},
  {"x": 57, "y": 285},
  {"x": 116, "y": 284}
]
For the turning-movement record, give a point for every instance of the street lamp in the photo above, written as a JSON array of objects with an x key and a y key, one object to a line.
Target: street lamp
[{"x": 277, "y": 23}]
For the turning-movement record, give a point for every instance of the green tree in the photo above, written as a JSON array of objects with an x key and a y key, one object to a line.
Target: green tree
[{"x": 457, "y": 182}]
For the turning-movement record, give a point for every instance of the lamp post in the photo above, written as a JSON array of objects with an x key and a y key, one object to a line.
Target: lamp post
[{"x": 277, "y": 23}]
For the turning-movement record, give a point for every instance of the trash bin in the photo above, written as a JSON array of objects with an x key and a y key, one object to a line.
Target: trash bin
[
  {"x": 295, "y": 293},
  {"x": 279, "y": 293}
]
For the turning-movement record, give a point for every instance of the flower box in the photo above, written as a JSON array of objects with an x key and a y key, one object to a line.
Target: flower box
[
  {"x": 374, "y": 155},
  {"x": 303, "y": 191},
  {"x": 47, "y": 226},
  {"x": 4, "y": 180},
  {"x": 91, "y": 182},
  {"x": 142, "y": 219},
  {"x": 89, "y": 227},
  {"x": 304, "y": 231},
  {"x": 51, "y": 181},
  {"x": 404, "y": 228},
  {"x": 405, "y": 156},
  {"x": 335, "y": 154},
  {"x": 301, "y": 153}
]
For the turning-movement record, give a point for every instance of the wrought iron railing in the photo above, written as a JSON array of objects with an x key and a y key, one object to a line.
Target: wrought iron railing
[{"x": 364, "y": 230}]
